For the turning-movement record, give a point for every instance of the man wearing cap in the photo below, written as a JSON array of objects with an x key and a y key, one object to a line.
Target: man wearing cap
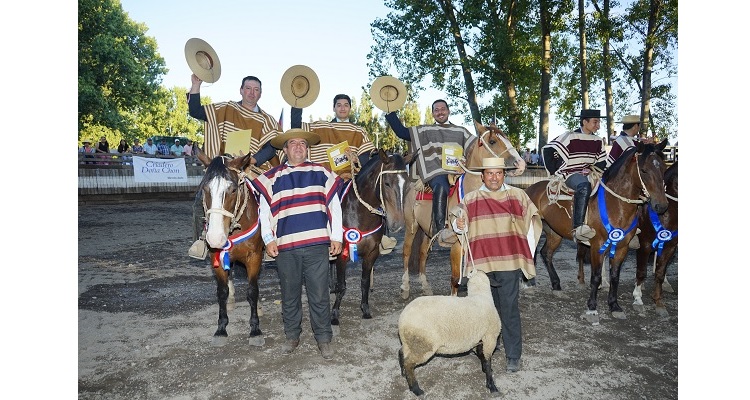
[
  {"x": 302, "y": 231},
  {"x": 176, "y": 149},
  {"x": 162, "y": 148},
  {"x": 631, "y": 125},
  {"x": 578, "y": 154},
  {"x": 431, "y": 141},
  {"x": 503, "y": 227},
  {"x": 150, "y": 147}
]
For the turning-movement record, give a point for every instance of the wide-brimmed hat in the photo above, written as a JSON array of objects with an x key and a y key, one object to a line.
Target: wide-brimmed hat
[
  {"x": 299, "y": 86},
  {"x": 388, "y": 93},
  {"x": 89, "y": 141},
  {"x": 492, "y": 162},
  {"x": 203, "y": 60},
  {"x": 296, "y": 133},
  {"x": 591, "y": 114},
  {"x": 631, "y": 119}
]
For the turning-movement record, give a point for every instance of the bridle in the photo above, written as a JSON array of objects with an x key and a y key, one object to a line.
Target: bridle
[
  {"x": 379, "y": 183},
  {"x": 240, "y": 204}
]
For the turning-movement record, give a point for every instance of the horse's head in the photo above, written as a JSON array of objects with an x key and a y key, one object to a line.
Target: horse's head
[
  {"x": 493, "y": 142},
  {"x": 384, "y": 181},
  {"x": 642, "y": 174},
  {"x": 226, "y": 197}
]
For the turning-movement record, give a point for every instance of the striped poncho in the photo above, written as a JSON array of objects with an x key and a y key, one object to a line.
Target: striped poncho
[
  {"x": 578, "y": 151},
  {"x": 304, "y": 205},
  {"x": 230, "y": 116},
  {"x": 333, "y": 133},
  {"x": 504, "y": 228},
  {"x": 429, "y": 140},
  {"x": 619, "y": 146}
]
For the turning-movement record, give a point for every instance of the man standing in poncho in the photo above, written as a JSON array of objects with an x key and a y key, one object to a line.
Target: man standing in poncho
[{"x": 503, "y": 228}]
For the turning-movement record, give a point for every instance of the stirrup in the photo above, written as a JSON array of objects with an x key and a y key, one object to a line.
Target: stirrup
[
  {"x": 198, "y": 250},
  {"x": 387, "y": 244}
]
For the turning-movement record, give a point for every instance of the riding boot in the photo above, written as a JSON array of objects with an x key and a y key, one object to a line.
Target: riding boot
[
  {"x": 581, "y": 233},
  {"x": 439, "y": 207}
]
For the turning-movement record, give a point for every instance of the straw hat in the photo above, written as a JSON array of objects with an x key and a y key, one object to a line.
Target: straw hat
[
  {"x": 300, "y": 86},
  {"x": 388, "y": 93},
  {"x": 311, "y": 137},
  {"x": 631, "y": 119},
  {"x": 202, "y": 60},
  {"x": 492, "y": 162}
]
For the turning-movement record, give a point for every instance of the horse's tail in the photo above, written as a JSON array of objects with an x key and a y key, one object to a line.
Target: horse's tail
[{"x": 416, "y": 246}]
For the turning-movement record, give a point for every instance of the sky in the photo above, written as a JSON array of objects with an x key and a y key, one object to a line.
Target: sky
[
  {"x": 264, "y": 39},
  {"x": 40, "y": 91}
]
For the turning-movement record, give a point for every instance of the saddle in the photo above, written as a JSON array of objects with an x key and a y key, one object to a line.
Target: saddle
[
  {"x": 557, "y": 189},
  {"x": 424, "y": 192}
]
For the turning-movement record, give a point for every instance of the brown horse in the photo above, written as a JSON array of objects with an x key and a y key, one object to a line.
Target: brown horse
[
  {"x": 658, "y": 235},
  {"x": 492, "y": 142},
  {"x": 374, "y": 198},
  {"x": 612, "y": 213},
  {"x": 233, "y": 235}
]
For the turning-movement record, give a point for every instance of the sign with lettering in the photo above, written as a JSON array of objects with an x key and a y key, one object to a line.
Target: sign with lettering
[{"x": 166, "y": 170}]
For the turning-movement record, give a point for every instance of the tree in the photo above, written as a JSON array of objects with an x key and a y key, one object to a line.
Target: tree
[{"x": 119, "y": 68}]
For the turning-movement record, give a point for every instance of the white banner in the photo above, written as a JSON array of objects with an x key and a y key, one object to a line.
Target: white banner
[{"x": 167, "y": 170}]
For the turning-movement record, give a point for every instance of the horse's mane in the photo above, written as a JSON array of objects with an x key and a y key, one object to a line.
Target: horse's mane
[
  {"x": 216, "y": 168},
  {"x": 369, "y": 166},
  {"x": 615, "y": 167}
]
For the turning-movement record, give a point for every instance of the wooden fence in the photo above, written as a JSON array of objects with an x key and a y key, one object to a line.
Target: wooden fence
[{"x": 110, "y": 178}]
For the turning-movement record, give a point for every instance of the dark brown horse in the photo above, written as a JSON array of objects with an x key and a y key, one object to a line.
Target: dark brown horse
[
  {"x": 374, "y": 199},
  {"x": 612, "y": 213},
  {"x": 233, "y": 235},
  {"x": 492, "y": 142},
  {"x": 658, "y": 237}
]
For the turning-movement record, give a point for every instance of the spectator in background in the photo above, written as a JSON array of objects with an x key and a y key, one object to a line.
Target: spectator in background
[
  {"x": 162, "y": 148},
  {"x": 527, "y": 156},
  {"x": 123, "y": 147},
  {"x": 87, "y": 150},
  {"x": 188, "y": 148},
  {"x": 103, "y": 146},
  {"x": 534, "y": 157},
  {"x": 176, "y": 149},
  {"x": 137, "y": 148},
  {"x": 150, "y": 147}
]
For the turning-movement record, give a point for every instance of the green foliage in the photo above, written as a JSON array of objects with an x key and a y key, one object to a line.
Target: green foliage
[{"x": 119, "y": 69}]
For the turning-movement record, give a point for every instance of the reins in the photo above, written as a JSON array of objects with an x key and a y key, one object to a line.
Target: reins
[
  {"x": 640, "y": 200},
  {"x": 379, "y": 184}
]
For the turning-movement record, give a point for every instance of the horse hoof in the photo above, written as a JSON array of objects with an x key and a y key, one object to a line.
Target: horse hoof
[
  {"x": 591, "y": 316},
  {"x": 257, "y": 341},
  {"x": 639, "y": 308},
  {"x": 662, "y": 311},
  {"x": 405, "y": 294},
  {"x": 336, "y": 330},
  {"x": 426, "y": 292},
  {"x": 618, "y": 314},
  {"x": 219, "y": 341}
]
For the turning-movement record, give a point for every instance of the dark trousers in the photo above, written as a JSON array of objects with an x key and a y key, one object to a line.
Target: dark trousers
[
  {"x": 308, "y": 266},
  {"x": 505, "y": 286}
]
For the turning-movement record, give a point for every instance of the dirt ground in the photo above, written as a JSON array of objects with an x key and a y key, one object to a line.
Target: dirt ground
[{"x": 147, "y": 313}]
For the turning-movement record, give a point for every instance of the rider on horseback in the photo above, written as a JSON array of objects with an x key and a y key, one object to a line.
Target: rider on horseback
[
  {"x": 573, "y": 156},
  {"x": 432, "y": 142}
]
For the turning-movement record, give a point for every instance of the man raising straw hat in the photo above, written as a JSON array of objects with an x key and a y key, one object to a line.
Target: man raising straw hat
[{"x": 503, "y": 227}]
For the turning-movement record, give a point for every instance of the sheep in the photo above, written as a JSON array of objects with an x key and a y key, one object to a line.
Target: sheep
[{"x": 449, "y": 325}]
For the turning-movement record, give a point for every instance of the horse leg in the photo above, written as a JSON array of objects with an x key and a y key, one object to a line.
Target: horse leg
[
  {"x": 660, "y": 278},
  {"x": 641, "y": 260},
  {"x": 367, "y": 263},
  {"x": 581, "y": 252},
  {"x": 409, "y": 241},
  {"x": 456, "y": 256},
  {"x": 230, "y": 283},
  {"x": 222, "y": 292},
  {"x": 253, "y": 265},
  {"x": 551, "y": 244},
  {"x": 591, "y": 314},
  {"x": 424, "y": 248},
  {"x": 615, "y": 264},
  {"x": 340, "y": 289}
]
